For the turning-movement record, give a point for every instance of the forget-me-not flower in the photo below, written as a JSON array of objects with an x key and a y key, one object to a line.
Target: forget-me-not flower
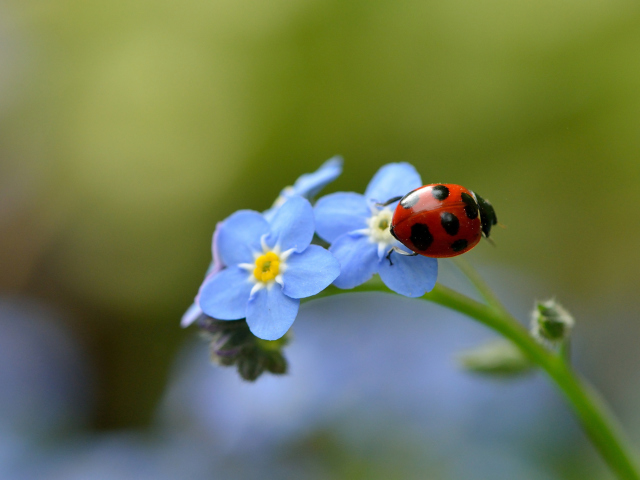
[
  {"x": 307, "y": 185},
  {"x": 270, "y": 266},
  {"x": 358, "y": 230}
]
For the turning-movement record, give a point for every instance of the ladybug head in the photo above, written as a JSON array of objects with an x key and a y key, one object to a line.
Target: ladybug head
[{"x": 488, "y": 216}]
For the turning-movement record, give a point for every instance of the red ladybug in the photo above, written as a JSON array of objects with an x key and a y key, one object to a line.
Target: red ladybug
[{"x": 441, "y": 220}]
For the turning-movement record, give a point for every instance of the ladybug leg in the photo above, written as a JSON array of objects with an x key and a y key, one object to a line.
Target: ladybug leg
[
  {"x": 490, "y": 240},
  {"x": 401, "y": 252},
  {"x": 389, "y": 202}
]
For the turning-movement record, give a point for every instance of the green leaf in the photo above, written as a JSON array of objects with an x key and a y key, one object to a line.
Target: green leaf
[{"x": 498, "y": 358}]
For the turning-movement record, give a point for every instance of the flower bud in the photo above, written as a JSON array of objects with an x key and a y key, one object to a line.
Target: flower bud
[
  {"x": 497, "y": 358},
  {"x": 232, "y": 343},
  {"x": 551, "y": 323}
]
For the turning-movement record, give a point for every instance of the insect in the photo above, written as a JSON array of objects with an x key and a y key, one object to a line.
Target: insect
[{"x": 440, "y": 220}]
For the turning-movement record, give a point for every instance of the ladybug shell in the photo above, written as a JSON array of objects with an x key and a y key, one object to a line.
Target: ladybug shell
[{"x": 438, "y": 220}]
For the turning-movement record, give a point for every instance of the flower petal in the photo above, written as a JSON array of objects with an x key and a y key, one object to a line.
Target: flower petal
[
  {"x": 194, "y": 311},
  {"x": 190, "y": 316},
  {"x": 216, "y": 263},
  {"x": 358, "y": 258},
  {"x": 225, "y": 295},
  {"x": 309, "y": 272},
  {"x": 392, "y": 180},
  {"x": 239, "y": 236},
  {"x": 292, "y": 226},
  {"x": 310, "y": 184},
  {"x": 409, "y": 276},
  {"x": 340, "y": 213},
  {"x": 270, "y": 313}
]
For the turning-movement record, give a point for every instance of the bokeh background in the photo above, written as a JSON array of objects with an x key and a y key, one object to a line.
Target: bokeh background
[{"x": 129, "y": 128}]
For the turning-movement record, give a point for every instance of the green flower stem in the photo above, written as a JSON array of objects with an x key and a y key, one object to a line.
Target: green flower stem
[{"x": 596, "y": 418}]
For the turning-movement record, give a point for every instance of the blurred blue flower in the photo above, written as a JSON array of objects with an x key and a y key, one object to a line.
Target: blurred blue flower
[
  {"x": 270, "y": 266},
  {"x": 358, "y": 230},
  {"x": 374, "y": 388},
  {"x": 45, "y": 383},
  {"x": 309, "y": 184}
]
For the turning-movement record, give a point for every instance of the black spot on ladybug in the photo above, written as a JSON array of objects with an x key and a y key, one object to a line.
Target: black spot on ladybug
[
  {"x": 421, "y": 236},
  {"x": 470, "y": 206},
  {"x": 459, "y": 245},
  {"x": 410, "y": 199},
  {"x": 450, "y": 223},
  {"x": 440, "y": 192}
]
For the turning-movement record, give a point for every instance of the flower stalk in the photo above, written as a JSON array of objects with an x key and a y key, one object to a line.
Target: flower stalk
[{"x": 595, "y": 416}]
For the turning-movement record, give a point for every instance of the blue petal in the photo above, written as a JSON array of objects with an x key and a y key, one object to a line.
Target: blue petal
[
  {"x": 270, "y": 313},
  {"x": 310, "y": 184},
  {"x": 358, "y": 258},
  {"x": 190, "y": 316},
  {"x": 309, "y": 272},
  {"x": 239, "y": 236},
  {"x": 268, "y": 214},
  {"x": 409, "y": 276},
  {"x": 226, "y": 294},
  {"x": 216, "y": 263},
  {"x": 340, "y": 213},
  {"x": 194, "y": 311},
  {"x": 392, "y": 180},
  {"x": 292, "y": 226}
]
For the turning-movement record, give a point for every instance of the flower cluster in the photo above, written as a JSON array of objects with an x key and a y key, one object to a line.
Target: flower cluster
[
  {"x": 265, "y": 263},
  {"x": 307, "y": 186}
]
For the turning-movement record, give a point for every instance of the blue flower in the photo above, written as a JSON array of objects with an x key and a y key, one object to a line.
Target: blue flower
[
  {"x": 309, "y": 184},
  {"x": 270, "y": 266},
  {"x": 358, "y": 231}
]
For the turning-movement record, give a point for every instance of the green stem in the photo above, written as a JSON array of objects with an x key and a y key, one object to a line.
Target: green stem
[
  {"x": 596, "y": 418},
  {"x": 565, "y": 351}
]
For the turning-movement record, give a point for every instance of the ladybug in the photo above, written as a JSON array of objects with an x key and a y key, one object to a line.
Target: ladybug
[{"x": 441, "y": 220}]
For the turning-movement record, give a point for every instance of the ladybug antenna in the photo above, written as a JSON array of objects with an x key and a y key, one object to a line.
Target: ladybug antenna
[
  {"x": 490, "y": 240},
  {"x": 388, "y": 202}
]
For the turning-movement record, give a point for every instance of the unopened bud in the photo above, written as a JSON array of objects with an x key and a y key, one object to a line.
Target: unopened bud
[
  {"x": 232, "y": 343},
  {"x": 276, "y": 363},
  {"x": 497, "y": 358},
  {"x": 551, "y": 323},
  {"x": 250, "y": 367}
]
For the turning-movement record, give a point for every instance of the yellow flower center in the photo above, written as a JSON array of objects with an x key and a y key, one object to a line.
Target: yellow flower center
[{"x": 267, "y": 267}]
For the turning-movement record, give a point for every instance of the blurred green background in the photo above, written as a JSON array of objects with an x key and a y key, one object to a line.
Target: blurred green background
[{"x": 129, "y": 128}]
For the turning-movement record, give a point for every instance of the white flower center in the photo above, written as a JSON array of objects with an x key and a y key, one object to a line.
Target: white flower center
[{"x": 379, "y": 223}]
